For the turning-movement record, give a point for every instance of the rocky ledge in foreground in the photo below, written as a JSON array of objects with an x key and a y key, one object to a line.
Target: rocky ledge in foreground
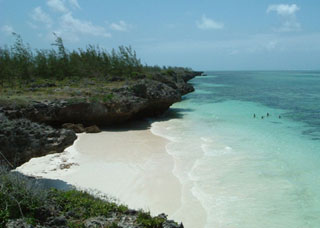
[
  {"x": 25, "y": 202},
  {"x": 38, "y": 127}
]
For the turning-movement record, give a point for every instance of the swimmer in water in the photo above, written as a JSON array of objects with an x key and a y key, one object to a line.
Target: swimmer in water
[
  {"x": 262, "y": 117},
  {"x": 268, "y": 114},
  {"x": 254, "y": 115}
]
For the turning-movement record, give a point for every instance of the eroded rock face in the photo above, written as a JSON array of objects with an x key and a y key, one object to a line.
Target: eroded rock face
[
  {"x": 142, "y": 98},
  {"x": 77, "y": 128},
  {"x": 187, "y": 76},
  {"x": 176, "y": 81},
  {"x": 24, "y": 133},
  {"x": 24, "y": 136},
  {"x": 92, "y": 129},
  {"x": 21, "y": 140}
]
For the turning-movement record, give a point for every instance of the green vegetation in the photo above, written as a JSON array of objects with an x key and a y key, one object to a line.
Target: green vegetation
[
  {"x": 21, "y": 197},
  {"x": 146, "y": 220},
  {"x": 84, "y": 75},
  {"x": 88, "y": 74},
  {"x": 20, "y": 62}
]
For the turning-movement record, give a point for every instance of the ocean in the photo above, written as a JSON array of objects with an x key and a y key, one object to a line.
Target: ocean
[{"x": 246, "y": 145}]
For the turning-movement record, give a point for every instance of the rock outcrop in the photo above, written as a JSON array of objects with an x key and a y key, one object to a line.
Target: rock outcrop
[
  {"x": 28, "y": 200},
  {"x": 124, "y": 220},
  {"x": 21, "y": 140},
  {"x": 79, "y": 128},
  {"x": 92, "y": 129},
  {"x": 28, "y": 130},
  {"x": 187, "y": 76},
  {"x": 142, "y": 98},
  {"x": 29, "y": 127}
]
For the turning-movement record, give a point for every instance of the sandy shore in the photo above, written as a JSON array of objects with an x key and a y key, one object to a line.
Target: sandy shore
[{"x": 130, "y": 165}]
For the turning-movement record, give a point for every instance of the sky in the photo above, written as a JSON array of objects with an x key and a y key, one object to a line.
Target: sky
[{"x": 201, "y": 34}]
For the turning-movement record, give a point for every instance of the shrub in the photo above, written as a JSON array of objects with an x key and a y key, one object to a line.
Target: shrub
[
  {"x": 147, "y": 221},
  {"x": 20, "y": 197},
  {"x": 19, "y": 64}
]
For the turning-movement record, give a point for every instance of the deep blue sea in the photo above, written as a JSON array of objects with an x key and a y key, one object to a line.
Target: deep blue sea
[{"x": 247, "y": 172}]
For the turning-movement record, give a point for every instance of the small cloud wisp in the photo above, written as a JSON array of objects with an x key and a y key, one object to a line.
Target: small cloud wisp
[{"x": 208, "y": 24}]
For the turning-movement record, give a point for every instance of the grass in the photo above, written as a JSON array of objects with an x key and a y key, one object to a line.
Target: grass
[
  {"x": 22, "y": 197},
  {"x": 83, "y": 204},
  {"x": 97, "y": 90}
]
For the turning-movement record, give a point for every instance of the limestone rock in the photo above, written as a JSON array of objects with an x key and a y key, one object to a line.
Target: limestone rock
[
  {"x": 77, "y": 128},
  {"x": 59, "y": 221},
  {"x": 92, "y": 129},
  {"x": 96, "y": 222},
  {"x": 21, "y": 140},
  {"x": 144, "y": 97},
  {"x": 21, "y": 223}
]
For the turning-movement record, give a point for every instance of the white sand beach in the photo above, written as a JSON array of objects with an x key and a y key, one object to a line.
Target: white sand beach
[{"x": 129, "y": 165}]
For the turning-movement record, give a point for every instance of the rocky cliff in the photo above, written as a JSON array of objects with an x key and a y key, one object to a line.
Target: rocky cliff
[
  {"x": 35, "y": 128},
  {"x": 38, "y": 127},
  {"x": 137, "y": 99}
]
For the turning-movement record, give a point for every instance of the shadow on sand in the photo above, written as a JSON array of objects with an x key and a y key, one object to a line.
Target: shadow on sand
[
  {"x": 46, "y": 183},
  {"x": 145, "y": 124}
]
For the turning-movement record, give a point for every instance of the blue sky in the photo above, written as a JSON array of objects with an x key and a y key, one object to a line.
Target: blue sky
[{"x": 203, "y": 34}]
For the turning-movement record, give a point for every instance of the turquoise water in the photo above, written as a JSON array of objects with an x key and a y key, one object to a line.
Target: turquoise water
[{"x": 244, "y": 171}]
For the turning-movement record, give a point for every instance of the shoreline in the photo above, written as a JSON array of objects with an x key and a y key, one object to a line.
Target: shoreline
[
  {"x": 192, "y": 211},
  {"x": 41, "y": 118},
  {"x": 131, "y": 165}
]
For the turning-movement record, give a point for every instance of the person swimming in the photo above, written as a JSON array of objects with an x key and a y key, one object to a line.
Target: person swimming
[
  {"x": 254, "y": 115},
  {"x": 268, "y": 114},
  {"x": 262, "y": 117},
  {"x": 279, "y": 117}
]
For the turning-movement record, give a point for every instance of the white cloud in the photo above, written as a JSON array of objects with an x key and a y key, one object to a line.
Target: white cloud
[
  {"x": 40, "y": 16},
  {"x": 121, "y": 26},
  {"x": 207, "y": 24},
  {"x": 7, "y": 29},
  {"x": 57, "y": 5},
  {"x": 283, "y": 9},
  {"x": 289, "y": 26},
  {"x": 73, "y": 27},
  {"x": 288, "y": 15},
  {"x": 66, "y": 25},
  {"x": 74, "y": 3}
]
